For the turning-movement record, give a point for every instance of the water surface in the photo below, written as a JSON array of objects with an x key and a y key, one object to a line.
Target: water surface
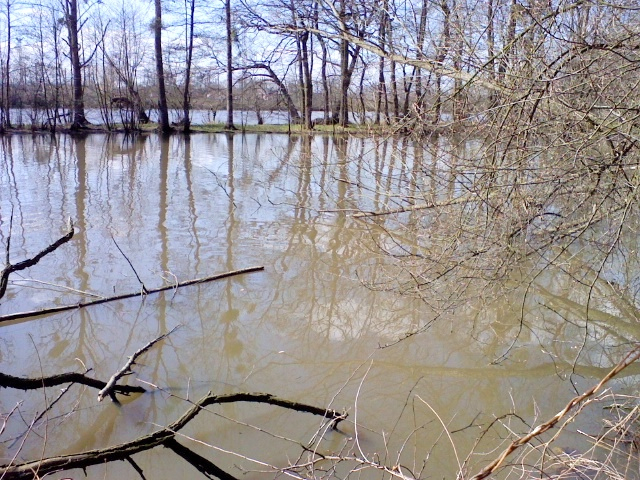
[{"x": 307, "y": 328}]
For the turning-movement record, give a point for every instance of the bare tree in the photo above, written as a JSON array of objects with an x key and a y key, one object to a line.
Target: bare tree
[
  {"x": 125, "y": 57},
  {"x": 49, "y": 66},
  {"x": 74, "y": 24},
  {"x": 269, "y": 73},
  {"x": 324, "y": 58},
  {"x": 288, "y": 33}
]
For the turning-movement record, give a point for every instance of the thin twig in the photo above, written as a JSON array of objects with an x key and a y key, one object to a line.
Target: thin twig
[
  {"x": 5, "y": 417},
  {"x": 144, "y": 289},
  {"x": 56, "y": 285},
  {"x": 221, "y": 185},
  {"x": 39, "y": 417},
  {"x": 126, "y": 369},
  {"x": 540, "y": 429}
]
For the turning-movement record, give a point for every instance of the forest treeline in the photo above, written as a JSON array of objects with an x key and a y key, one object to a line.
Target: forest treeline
[{"x": 382, "y": 61}]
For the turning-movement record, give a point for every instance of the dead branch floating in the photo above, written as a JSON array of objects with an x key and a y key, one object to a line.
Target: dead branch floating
[
  {"x": 203, "y": 465},
  {"x": 64, "y": 308},
  {"x": 45, "y": 466},
  {"x": 109, "y": 388},
  {"x": 540, "y": 429},
  {"x": 20, "y": 383},
  {"x": 29, "y": 262}
]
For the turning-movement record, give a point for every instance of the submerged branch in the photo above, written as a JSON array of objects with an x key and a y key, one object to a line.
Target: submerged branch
[
  {"x": 63, "y": 308},
  {"x": 203, "y": 465},
  {"x": 123, "y": 451},
  {"x": 20, "y": 383}
]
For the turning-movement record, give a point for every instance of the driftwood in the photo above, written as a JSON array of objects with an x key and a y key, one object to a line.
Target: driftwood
[
  {"x": 111, "y": 385},
  {"x": 123, "y": 451},
  {"x": 63, "y": 308},
  {"x": 30, "y": 262}
]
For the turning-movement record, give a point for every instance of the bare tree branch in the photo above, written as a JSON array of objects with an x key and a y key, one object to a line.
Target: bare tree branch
[
  {"x": 126, "y": 369},
  {"x": 122, "y": 451},
  {"x": 20, "y": 383},
  {"x": 549, "y": 424},
  {"x": 30, "y": 262},
  {"x": 63, "y": 308}
]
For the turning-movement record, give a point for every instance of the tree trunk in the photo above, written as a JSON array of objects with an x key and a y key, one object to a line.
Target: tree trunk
[
  {"x": 229, "y": 125},
  {"x": 7, "y": 69},
  {"x": 307, "y": 87},
  {"x": 301, "y": 77},
  {"x": 79, "y": 119},
  {"x": 418, "y": 72},
  {"x": 509, "y": 38},
  {"x": 343, "y": 115},
  {"x": 490, "y": 41},
  {"x": 443, "y": 50},
  {"x": 163, "y": 110},
  {"x": 394, "y": 91},
  {"x": 325, "y": 81},
  {"x": 361, "y": 90},
  {"x": 382, "y": 87},
  {"x": 323, "y": 62},
  {"x": 186, "y": 99},
  {"x": 392, "y": 65},
  {"x": 458, "y": 98},
  {"x": 407, "y": 86}
]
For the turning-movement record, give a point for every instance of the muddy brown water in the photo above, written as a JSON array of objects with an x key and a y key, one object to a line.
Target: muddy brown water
[{"x": 305, "y": 328}]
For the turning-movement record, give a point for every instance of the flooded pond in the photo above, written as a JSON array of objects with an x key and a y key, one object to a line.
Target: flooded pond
[{"x": 308, "y": 328}]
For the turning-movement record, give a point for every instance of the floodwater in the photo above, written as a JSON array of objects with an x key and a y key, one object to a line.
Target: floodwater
[{"x": 306, "y": 328}]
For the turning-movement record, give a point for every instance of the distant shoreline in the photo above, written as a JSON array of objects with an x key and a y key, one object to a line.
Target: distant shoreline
[{"x": 352, "y": 129}]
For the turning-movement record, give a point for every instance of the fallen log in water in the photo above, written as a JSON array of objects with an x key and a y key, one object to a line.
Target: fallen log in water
[{"x": 63, "y": 308}]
